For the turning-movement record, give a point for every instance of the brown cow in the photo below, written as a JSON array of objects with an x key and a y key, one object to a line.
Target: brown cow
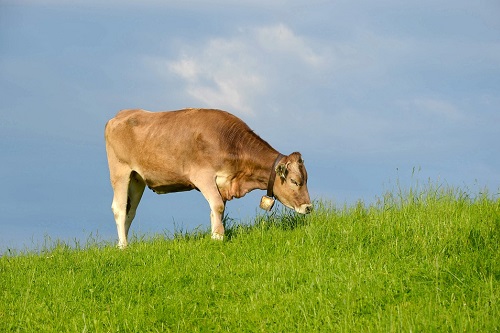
[{"x": 211, "y": 151}]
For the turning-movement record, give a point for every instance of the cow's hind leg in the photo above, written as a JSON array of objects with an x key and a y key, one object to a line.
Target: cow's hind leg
[
  {"x": 128, "y": 188},
  {"x": 120, "y": 184}
]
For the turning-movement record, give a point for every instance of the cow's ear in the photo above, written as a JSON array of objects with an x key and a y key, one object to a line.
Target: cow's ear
[{"x": 281, "y": 170}]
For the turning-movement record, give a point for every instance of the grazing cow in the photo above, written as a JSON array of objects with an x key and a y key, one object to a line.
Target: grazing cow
[{"x": 211, "y": 151}]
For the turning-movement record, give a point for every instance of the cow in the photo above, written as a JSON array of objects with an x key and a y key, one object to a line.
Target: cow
[{"x": 208, "y": 150}]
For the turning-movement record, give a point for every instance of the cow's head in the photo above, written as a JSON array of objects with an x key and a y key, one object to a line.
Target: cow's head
[{"x": 290, "y": 186}]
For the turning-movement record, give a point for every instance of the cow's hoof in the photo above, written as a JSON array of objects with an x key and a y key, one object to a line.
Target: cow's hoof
[
  {"x": 121, "y": 246},
  {"x": 218, "y": 237}
]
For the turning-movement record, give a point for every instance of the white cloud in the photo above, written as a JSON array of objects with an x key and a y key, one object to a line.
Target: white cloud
[
  {"x": 281, "y": 39},
  {"x": 221, "y": 74},
  {"x": 185, "y": 68},
  {"x": 237, "y": 71}
]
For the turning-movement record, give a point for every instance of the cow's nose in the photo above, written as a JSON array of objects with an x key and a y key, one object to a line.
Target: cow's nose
[{"x": 304, "y": 209}]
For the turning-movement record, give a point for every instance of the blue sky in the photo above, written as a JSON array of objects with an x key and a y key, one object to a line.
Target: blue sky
[{"x": 371, "y": 92}]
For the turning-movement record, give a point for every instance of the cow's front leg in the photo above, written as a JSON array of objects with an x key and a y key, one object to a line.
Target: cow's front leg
[
  {"x": 217, "y": 205},
  {"x": 216, "y": 215}
]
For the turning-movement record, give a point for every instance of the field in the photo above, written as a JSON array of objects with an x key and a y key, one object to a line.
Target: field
[{"x": 417, "y": 260}]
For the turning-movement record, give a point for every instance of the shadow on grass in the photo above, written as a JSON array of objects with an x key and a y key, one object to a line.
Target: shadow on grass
[{"x": 283, "y": 219}]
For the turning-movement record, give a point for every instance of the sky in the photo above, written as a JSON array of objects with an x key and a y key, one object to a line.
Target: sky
[{"x": 372, "y": 93}]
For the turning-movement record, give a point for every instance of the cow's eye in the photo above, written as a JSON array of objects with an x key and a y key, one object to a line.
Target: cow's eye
[{"x": 294, "y": 182}]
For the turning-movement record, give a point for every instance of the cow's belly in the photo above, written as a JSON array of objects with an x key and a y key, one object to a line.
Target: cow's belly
[
  {"x": 162, "y": 189},
  {"x": 168, "y": 183}
]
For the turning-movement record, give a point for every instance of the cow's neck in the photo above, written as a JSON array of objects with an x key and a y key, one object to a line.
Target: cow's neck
[{"x": 259, "y": 177}]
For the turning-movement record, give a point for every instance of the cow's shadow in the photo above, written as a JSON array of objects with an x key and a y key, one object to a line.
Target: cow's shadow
[{"x": 282, "y": 219}]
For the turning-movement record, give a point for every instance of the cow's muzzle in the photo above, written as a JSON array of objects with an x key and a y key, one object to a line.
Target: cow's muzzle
[{"x": 304, "y": 209}]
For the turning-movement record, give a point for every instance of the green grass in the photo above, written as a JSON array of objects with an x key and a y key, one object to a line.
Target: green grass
[{"x": 413, "y": 261}]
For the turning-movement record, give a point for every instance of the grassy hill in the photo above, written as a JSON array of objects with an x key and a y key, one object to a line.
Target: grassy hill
[{"x": 419, "y": 261}]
